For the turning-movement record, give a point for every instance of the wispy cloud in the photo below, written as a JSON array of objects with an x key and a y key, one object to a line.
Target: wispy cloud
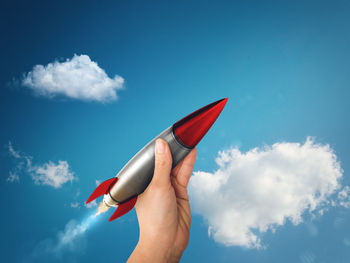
[
  {"x": 77, "y": 78},
  {"x": 75, "y": 205},
  {"x": 344, "y": 197},
  {"x": 14, "y": 173},
  {"x": 49, "y": 173},
  {"x": 253, "y": 192},
  {"x": 12, "y": 151},
  {"x": 13, "y": 178}
]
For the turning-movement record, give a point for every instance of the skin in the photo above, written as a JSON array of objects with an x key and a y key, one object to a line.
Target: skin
[{"x": 163, "y": 210}]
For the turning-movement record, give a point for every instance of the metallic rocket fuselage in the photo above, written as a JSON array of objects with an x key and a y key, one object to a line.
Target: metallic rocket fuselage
[{"x": 136, "y": 175}]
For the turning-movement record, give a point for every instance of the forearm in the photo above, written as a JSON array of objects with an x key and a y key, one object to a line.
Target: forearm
[{"x": 152, "y": 253}]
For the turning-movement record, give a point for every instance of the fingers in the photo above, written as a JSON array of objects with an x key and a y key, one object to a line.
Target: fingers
[
  {"x": 183, "y": 171},
  {"x": 181, "y": 176},
  {"x": 163, "y": 162}
]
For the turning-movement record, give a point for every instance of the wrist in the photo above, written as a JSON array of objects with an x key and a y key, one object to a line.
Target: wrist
[{"x": 155, "y": 253}]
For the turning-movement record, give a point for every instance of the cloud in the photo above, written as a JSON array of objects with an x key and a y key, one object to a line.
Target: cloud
[
  {"x": 52, "y": 174},
  {"x": 12, "y": 151},
  {"x": 344, "y": 197},
  {"x": 77, "y": 78},
  {"x": 19, "y": 161},
  {"x": 75, "y": 205},
  {"x": 49, "y": 173},
  {"x": 13, "y": 178},
  {"x": 253, "y": 192}
]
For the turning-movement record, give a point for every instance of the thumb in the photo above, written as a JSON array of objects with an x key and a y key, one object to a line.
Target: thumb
[{"x": 163, "y": 164}]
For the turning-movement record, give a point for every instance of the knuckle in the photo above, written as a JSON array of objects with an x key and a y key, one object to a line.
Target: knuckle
[{"x": 160, "y": 162}]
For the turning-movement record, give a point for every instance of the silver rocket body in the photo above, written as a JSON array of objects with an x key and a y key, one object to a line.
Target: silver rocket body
[{"x": 136, "y": 175}]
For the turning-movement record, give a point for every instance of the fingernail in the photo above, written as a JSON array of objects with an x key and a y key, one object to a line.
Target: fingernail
[{"x": 159, "y": 147}]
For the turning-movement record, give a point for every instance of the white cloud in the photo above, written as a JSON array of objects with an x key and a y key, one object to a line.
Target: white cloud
[
  {"x": 98, "y": 182},
  {"x": 12, "y": 151},
  {"x": 13, "y": 178},
  {"x": 76, "y": 78},
  {"x": 52, "y": 174},
  {"x": 75, "y": 205},
  {"x": 344, "y": 197},
  {"x": 253, "y": 192},
  {"x": 19, "y": 164}
]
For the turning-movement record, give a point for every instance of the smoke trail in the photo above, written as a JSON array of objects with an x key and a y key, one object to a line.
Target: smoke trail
[{"x": 71, "y": 239}]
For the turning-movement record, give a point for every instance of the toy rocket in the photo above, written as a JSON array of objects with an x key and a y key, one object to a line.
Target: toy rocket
[{"x": 122, "y": 191}]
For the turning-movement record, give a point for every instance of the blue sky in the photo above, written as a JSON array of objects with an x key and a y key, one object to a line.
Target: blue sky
[{"x": 283, "y": 64}]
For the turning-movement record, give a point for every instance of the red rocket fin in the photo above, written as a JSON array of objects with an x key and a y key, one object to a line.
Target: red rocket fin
[
  {"x": 123, "y": 208},
  {"x": 102, "y": 189}
]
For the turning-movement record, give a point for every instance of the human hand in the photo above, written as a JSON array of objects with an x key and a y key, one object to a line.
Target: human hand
[{"x": 163, "y": 210}]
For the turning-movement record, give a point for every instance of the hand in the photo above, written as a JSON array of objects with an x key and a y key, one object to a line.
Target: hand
[{"x": 163, "y": 210}]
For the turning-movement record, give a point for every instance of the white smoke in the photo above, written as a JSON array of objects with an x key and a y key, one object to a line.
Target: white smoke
[{"x": 71, "y": 239}]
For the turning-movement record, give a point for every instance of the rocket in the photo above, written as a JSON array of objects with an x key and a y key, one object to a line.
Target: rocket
[{"x": 122, "y": 190}]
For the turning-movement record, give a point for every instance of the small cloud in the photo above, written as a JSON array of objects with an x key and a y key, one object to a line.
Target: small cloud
[
  {"x": 49, "y": 173},
  {"x": 52, "y": 174},
  {"x": 253, "y": 192},
  {"x": 13, "y": 178},
  {"x": 19, "y": 161},
  {"x": 91, "y": 204},
  {"x": 98, "y": 182},
  {"x": 344, "y": 197},
  {"x": 75, "y": 205},
  {"x": 12, "y": 152},
  {"x": 77, "y": 78}
]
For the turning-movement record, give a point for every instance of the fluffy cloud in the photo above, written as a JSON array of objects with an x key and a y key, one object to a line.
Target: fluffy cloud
[
  {"x": 52, "y": 174},
  {"x": 76, "y": 78},
  {"x": 253, "y": 192}
]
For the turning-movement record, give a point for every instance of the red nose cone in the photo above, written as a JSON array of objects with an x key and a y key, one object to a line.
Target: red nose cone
[{"x": 191, "y": 129}]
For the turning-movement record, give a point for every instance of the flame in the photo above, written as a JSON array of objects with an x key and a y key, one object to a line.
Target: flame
[{"x": 102, "y": 208}]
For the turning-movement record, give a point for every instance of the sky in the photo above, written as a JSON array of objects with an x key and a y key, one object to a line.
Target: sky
[{"x": 85, "y": 84}]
